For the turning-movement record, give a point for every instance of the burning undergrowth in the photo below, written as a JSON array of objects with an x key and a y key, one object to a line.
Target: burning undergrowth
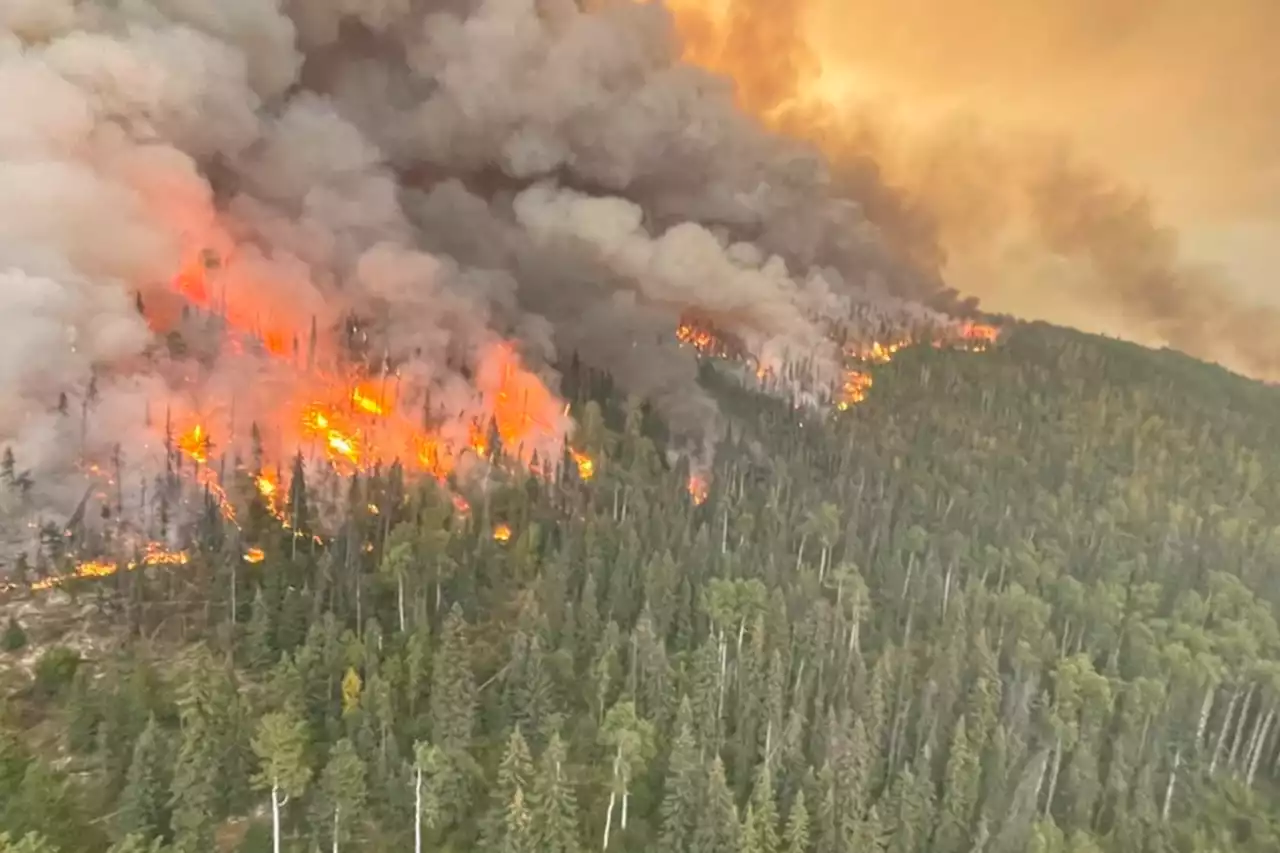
[{"x": 225, "y": 257}]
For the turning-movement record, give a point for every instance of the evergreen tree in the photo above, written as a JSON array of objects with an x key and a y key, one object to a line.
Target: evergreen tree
[
  {"x": 796, "y": 835},
  {"x": 344, "y": 792},
  {"x": 280, "y": 745},
  {"x": 515, "y": 776},
  {"x": 554, "y": 803},
  {"x": 717, "y": 830},
  {"x": 145, "y": 801},
  {"x": 959, "y": 795},
  {"x": 681, "y": 799},
  {"x": 453, "y": 709}
]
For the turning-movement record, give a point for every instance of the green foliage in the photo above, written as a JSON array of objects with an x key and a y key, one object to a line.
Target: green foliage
[
  {"x": 55, "y": 671},
  {"x": 14, "y": 638},
  {"x": 1023, "y": 600}
]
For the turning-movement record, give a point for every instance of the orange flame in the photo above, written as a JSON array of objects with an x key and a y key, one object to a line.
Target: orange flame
[
  {"x": 856, "y": 385},
  {"x": 698, "y": 488},
  {"x": 254, "y": 555},
  {"x": 586, "y": 465},
  {"x": 502, "y": 533},
  {"x": 702, "y": 339},
  {"x": 367, "y": 403},
  {"x": 195, "y": 444}
]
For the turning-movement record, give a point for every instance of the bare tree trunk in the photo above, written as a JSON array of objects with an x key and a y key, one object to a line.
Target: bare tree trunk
[
  {"x": 1168, "y": 791},
  {"x": 1206, "y": 708},
  {"x": 1053, "y": 775},
  {"x": 276, "y": 805},
  {"x": 1239, "y": 735},
  {"x": 335, "y": 830},
  {"x": 400, "y": 598},
  {"x": 1222, "y": 731},
  {"x": 613, "y": 798},
  {"x": 417, "y": 812},
  {"x": 1257, "y": 749}
]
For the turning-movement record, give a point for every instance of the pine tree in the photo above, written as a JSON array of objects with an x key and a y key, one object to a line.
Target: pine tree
[
  {"x": 83, "y": 713},
  {"x": 344, "y": 792},
  {"x": 681, "y": 798},
  {"x": 515, "y": 774},
  {"x": 280, "y": 744},
  {"x": 796, "y": 835},
  {"x": 959, "y": 795},
  {"x": 554, "y": 803},
  {"x": 717, "y": 830},
  {"x": 195, "y": 776},
  {"x": 259, "y": 643},
  {"x": 760, "y": 829},
  {"x": 145, "y": 801},
  {"x": 453, "y": 712}
]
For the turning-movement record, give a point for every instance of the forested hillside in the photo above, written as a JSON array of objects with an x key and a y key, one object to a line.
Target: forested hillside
[{"x": 1015, "y": 600}]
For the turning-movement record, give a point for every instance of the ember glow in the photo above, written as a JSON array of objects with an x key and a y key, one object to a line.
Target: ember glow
[{"x": 698, "y": 488}]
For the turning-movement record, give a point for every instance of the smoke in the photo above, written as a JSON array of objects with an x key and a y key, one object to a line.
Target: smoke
[
  {"x": 1004, "y": 126},
  {"x": 228, "y": 215}
]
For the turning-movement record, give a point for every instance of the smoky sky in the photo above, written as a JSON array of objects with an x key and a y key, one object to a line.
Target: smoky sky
[
  {"x": 442, "y": 178},
  {"x": 1109, "y": 165}
]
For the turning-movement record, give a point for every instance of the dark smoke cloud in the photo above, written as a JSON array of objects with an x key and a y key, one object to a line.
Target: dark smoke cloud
[{"x": 454, "y": 174}]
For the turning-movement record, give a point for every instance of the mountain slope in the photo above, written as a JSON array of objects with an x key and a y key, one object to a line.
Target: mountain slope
[{"x": 1020, "y": 599}]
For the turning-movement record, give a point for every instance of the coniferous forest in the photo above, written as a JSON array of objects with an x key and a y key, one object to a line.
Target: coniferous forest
[{"x": 1022, "y": 600}]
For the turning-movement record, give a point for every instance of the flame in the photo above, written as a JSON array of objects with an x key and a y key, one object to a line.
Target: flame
[
  {"x": 701, "y": 338},
  {"x": 698, "y": 488},
  {"x": 332, "y": 406},
  {"x": 367, "y": 403},
  {"x": 502, "y": 533},
  {"x": 586, "y": 465},
  {"x": 876, "y": 352},
  {"x": 195, "y": 443},
  {"x": 461, "y": 505},
  {"x": 157, "y": 555},
  {"x": 254, "y": 555},
  {"x": 154, "y": 554},
  {"x": 856, "y": 385}
]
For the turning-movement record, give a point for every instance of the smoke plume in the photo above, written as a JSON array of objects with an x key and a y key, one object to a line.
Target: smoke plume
[
  {"x": 1004, "y": 126},
  {"x": 367, "y": 230}
]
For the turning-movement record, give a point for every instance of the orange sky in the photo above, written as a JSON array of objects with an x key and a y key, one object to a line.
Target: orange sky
[{"x": 1175, "y": 99}]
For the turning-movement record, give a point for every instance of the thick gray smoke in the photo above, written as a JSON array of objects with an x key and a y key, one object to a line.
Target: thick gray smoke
[{"x": 454, "y": 173}]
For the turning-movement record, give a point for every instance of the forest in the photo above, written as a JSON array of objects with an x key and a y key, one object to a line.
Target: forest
[{"x": 1017, "y": 600}]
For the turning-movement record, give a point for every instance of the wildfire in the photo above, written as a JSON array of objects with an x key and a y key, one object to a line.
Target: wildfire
[
  {"x": 698, "y": 488},
  {"x": 702, "y": 339},
  {"x": 157, "y": 555},
  {"x": 154, "y": 554},
  {"x": 502, "y": 533},
  {"x": 877, "y": 352},
  {"x": 856, "y": 385},
  {"x": 366, "y": 403},
  {"x": 586, "y": 465},
  {"x": 195, "y": 443},
  {"x": 339, "y": 442},
  {"x": 254, "y": 555}
]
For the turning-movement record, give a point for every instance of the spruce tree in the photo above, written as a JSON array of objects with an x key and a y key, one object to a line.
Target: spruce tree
[
  {"x": 145, "y": 801},
  {"x": 681, "y": 800},
  {"x": 554, "y": 803}
]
